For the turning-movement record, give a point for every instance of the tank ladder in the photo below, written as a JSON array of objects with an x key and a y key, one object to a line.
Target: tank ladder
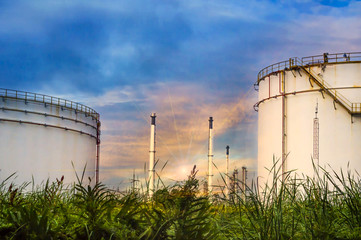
[{"x": 350, "y": 107}]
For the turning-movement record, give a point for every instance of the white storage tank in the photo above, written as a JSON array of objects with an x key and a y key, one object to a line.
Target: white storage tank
[
  {"x": 42, "y": 137},
  {"x": 310, "y": 108}
]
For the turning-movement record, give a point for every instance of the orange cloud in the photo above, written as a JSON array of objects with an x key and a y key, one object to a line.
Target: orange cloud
[{"x": 182, "y": 129}]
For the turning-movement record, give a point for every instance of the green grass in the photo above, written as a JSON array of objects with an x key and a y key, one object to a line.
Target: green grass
[{"x": 327, "y": 206}]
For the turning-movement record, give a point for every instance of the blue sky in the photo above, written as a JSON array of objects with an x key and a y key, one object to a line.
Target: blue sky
[{"x": 184, "y": 60}]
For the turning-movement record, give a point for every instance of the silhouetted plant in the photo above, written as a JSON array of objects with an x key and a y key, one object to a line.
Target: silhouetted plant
[{"x": 326, "y": 206}]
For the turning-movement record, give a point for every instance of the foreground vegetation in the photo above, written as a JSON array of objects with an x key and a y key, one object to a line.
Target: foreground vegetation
[{"x": 326, "y": 207}]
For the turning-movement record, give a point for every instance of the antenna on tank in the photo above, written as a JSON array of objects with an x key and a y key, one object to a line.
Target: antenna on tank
[
  {"x": 316, "y": 134},
  {"x": 152, "y": 154}
]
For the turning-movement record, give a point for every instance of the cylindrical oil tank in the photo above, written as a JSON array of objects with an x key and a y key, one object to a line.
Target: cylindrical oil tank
[
  {"x": 44, "y": 137},
  {"x": 309, "y": 115}
]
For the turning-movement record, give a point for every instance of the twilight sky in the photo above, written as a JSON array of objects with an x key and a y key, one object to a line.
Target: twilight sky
[{"x": 184, "y": 60}]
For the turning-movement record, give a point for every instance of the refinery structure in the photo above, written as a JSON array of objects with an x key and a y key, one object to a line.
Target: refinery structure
[
  {"x": 233, "y": 184},
  {"x": 309, "y": 111},
  {"x": 48, "y": 138},
  {"x": 44, "y": 137}
]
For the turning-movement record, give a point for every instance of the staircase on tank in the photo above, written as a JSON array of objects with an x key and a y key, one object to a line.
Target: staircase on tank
[{"x": 350, "y": 107}]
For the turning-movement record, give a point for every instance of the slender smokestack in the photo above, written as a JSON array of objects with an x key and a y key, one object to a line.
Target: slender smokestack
[
  {"x": 244, "y": 180},
  {"x": 210, "y": 155},
  {"x": 152, "y": 154},
  {"x": 97, "y": 154},
  {"x": 227, "y": 171},
  {"x": 234, "y": 184}
]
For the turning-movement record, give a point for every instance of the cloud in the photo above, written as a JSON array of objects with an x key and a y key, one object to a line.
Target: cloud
[
  {"x": 92, "y": 47},
  {"x": 184, "y": 60},
  {"x": 182, "y": 127},
  {"x": 85, "y": 47}
]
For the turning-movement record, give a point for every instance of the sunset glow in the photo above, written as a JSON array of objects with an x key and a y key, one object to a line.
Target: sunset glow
[{"x": 183, "y": 60}]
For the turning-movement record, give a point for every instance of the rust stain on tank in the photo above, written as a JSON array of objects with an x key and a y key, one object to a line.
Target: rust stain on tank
[{"x": 57, "y": 111}]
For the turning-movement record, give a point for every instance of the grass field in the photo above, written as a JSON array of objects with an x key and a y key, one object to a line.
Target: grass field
[{"x": 325, "y": 207}]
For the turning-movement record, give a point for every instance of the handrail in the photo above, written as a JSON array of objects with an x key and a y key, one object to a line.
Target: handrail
[
  {"x": 337, "y": 96},
  {"x": 356, "y": 107},
  {"x": 307, "y": 61},
  {"x": 303, "y": 63},
  {"x": 46, "y": 99},
  {"x": 332, "y": 58},
  {"x": 271, "y": 69}
]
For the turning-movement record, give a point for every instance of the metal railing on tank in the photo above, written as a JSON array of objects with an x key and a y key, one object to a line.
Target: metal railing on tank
[
  {"x": 307, "y": 61},
  {"x": 332, "y": 58},
  {"x": 337, "y": 96},
  {"x": 280, "y": 66},
  {"x": 46, "y": 99}
]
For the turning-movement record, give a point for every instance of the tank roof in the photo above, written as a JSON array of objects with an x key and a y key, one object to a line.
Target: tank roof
[
  {"x": 46, "y": 99},
  {"x": 295, "y": 62}
]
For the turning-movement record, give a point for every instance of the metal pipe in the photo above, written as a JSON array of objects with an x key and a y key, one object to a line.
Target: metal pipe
[
  {"x": 47, "y": 125},
  {"x": 227, "y": 171},
  {"x": 302, "y": 91},
  {"x": 97, "y": 153},
  {"x": 47, "y": 115},
  {"x": 152, "y": 154},
  {"x": 284, "y": 126},
  {"x": 210, "y": 155},
  {"x": 280, "y": 90},
  {"x": 235, "y": 183},
  {"x": 244, "y": 179}
]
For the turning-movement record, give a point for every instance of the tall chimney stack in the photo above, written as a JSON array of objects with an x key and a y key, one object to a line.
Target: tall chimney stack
[
  {"x": 244, "y": 183},
  {"x": 227, "y": 171},
  {"x": 210, "y": 155},
  {"x": 152, "y": 154}
]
